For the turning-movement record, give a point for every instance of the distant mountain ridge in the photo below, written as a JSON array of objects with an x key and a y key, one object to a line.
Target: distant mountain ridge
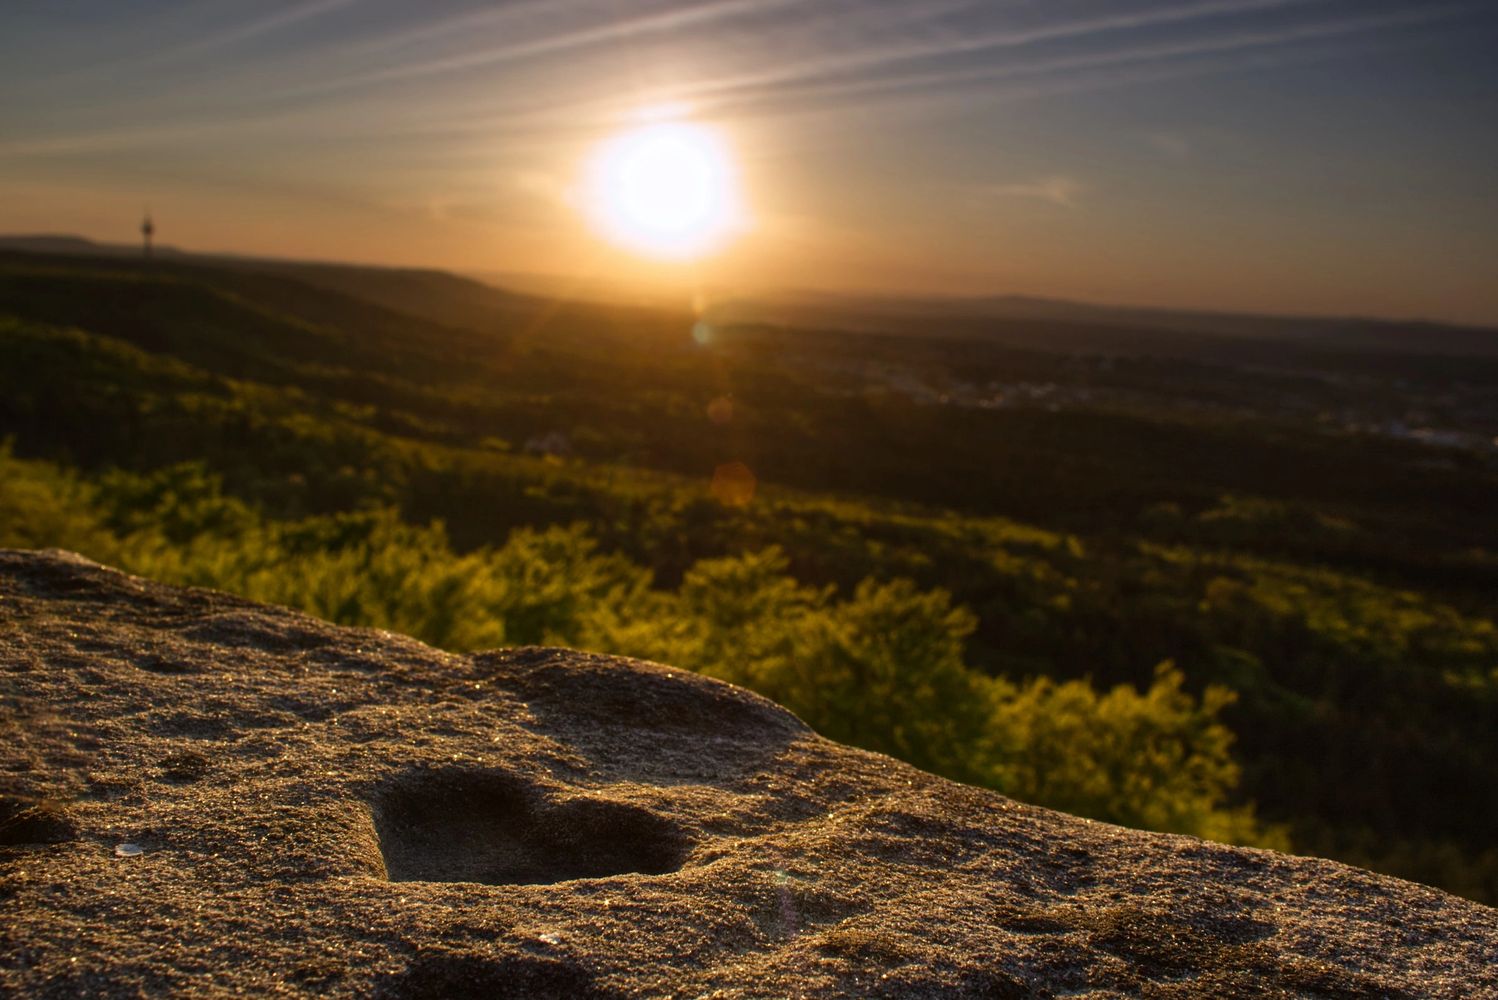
[
  {"x": 988, "y": 317},
  {"x": 424, "y": 293},
  {"x": 1019, "y": 321}
]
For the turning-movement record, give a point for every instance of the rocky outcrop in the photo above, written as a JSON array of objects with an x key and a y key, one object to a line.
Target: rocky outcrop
[{"x": 204, "y": 796}]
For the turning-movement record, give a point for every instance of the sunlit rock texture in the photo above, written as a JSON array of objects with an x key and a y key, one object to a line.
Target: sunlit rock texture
[{"x": 337, "y": 812}]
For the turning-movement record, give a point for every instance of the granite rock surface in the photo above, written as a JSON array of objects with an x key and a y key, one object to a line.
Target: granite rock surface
[{"x": 202, "y": 796}]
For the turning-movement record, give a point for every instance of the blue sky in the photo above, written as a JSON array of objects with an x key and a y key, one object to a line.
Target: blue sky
[{"x": 1278, "y": 155}]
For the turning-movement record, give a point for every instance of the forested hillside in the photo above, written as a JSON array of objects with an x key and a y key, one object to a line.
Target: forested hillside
[{"x": 1173, "y": 593}]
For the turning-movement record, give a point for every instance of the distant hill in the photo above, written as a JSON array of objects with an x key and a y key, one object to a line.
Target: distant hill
[
  {"x": 426, "y": 294},
  {"x": 61, "y": 243},
  {"x": 1024, "y": 322},
  {"x": 422, "y": 292}
]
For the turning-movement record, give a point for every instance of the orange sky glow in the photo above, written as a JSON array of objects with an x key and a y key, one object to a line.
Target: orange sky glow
[{"x": 1266, "y": 155}]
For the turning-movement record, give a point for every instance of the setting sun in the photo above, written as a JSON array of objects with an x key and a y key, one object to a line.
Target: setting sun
[{"x": 667, "y": 190}]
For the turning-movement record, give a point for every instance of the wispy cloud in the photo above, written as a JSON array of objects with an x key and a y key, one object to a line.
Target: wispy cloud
[
  {"x": 809, "y": 89},
  {"x": 993, "y": 38},
  {"x": 834, "y": 41},
  {"x": 1058, "y": 189},
  {"x": 598, "y": 31},
  {"x": 247, "y": 30},
  {"x": 963, "y": 80},
  {"x": 920, "y": 73},
  {"x": 749, "y": 59}
]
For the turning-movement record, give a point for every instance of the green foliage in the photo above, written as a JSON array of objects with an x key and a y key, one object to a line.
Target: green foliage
[
  {"x": 744, "y": 619},
  {"x": 559, "y": 587},
  {"x": 42, "y": 506},
  {"x": 1160, "y": 760},
  {"x": 883, "y": 669}
]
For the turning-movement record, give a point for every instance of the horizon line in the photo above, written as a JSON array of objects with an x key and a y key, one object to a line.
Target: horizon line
[{"x": 849, "y": 295}]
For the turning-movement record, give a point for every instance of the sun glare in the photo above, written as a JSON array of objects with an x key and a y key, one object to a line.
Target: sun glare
[{"x": 667, "y": 190}]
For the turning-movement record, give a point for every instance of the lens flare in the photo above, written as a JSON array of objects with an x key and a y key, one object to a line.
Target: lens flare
[{"x": 733, "y": 484}]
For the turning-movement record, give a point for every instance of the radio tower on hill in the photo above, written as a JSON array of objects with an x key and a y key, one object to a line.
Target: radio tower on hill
[{"x": 147, "y": 230}]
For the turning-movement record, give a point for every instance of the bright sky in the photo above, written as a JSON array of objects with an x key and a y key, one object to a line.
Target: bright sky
[{"x": 1334, "y": 156}]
